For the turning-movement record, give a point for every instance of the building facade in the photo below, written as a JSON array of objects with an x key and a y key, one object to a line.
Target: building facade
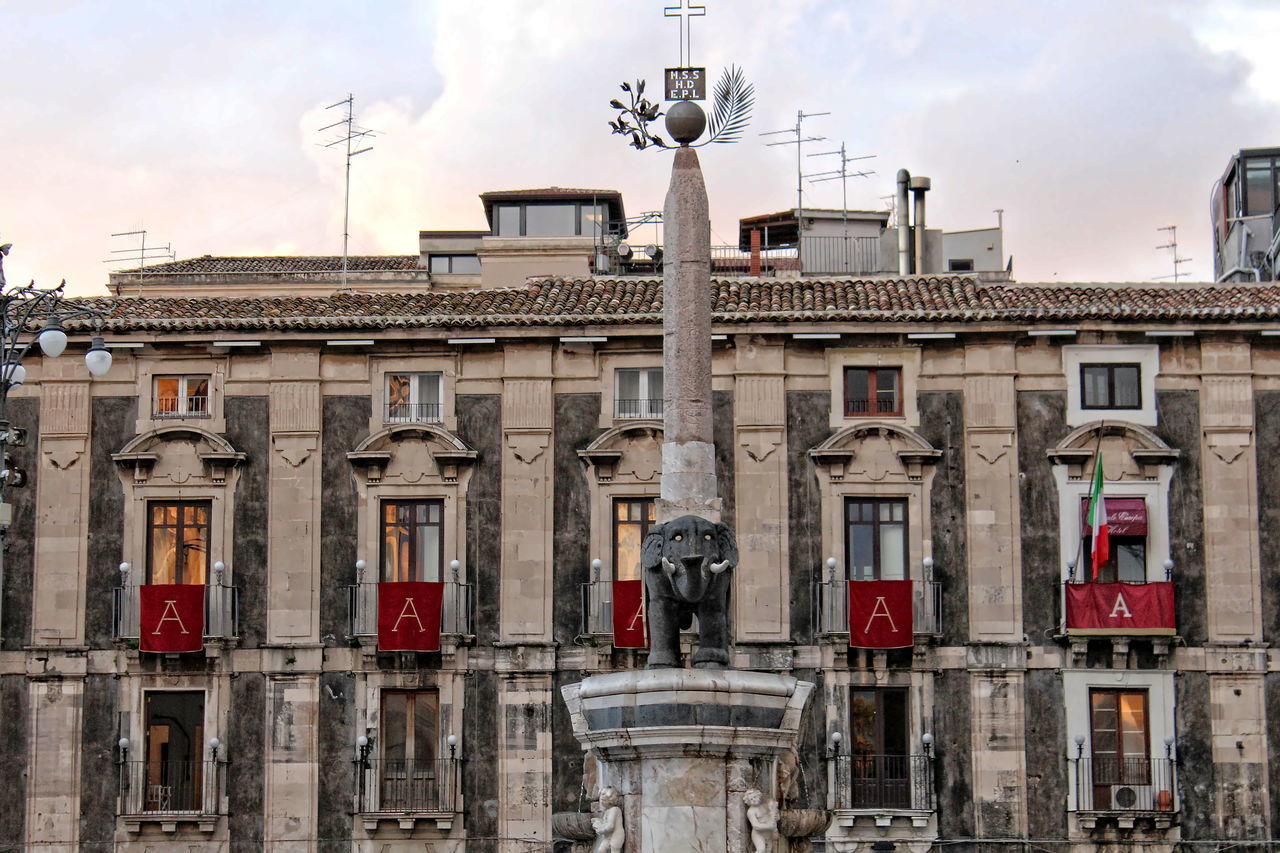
[{"x": 288, "y": 471}]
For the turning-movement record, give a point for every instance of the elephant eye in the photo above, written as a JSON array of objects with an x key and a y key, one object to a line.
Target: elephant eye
[
  {"x": 678, "y": 537},
  {"x": 707, "y": 537}
]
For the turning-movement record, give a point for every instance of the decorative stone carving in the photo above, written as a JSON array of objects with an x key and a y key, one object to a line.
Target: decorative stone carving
[
  {"x": 611, "y": 835},
  {"x": 1129, "y": 452},
  {"x": 631, "y": 451},
  {"x": 762, "y": 814},
  {"x": 178, "y": 454},
  {"x": 687, "y": 562},
  {"x": 875, "y": 451}
]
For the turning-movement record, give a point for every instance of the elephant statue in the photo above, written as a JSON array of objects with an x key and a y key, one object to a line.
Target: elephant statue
[{"x": 687, "y": 563}]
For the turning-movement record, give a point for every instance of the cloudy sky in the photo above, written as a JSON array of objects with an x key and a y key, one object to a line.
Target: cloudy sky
[{"x": 1091, "y": 123}]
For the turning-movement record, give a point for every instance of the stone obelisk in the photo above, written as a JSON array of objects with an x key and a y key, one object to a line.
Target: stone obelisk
[{"x": 688, "y": 455}]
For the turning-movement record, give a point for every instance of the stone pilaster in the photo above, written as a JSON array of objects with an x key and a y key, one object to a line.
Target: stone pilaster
[
  {"x": 292, "y": 769},
  {"x": 997, "y": 681},
  {"x": 53, "y": 761},
  {"x": 524, "y": 747},
  {"x": 528, "y": 522},
  {"x": 991, "y": 495},
  {"x": 293, "y": 559},
  {"x": 761, "y": 501},
  {"x": 1240, "y": 756},
  {"x": 62, "y": 508},
  {"x": 1232, "y": 581}
]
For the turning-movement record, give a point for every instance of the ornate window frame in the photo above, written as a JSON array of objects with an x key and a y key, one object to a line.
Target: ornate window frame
[
  {"x": 908, "y": 359},
  {"x": 152, "y": 367},
  {"x": 444, "y": 364},
  {"x": 608, "y": 365},
  {"x": 1146, "y": 356}
]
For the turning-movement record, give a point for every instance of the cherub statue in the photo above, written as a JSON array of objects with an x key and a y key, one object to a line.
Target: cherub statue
[
  {"x": 763, "y": 817},
  {"x": 610, "y": 833}
]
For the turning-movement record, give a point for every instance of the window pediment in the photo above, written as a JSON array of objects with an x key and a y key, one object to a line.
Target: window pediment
[
  {"x": 630, "y": 451},
  {"x": 179, "y": 454},
  {"x": 1129, "y": 451},
  {"x": 875, "y": 451},
  {"x": 410, "y": 453}
]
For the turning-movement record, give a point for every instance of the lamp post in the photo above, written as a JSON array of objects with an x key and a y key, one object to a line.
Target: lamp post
[{"x": 23, "y": 310}]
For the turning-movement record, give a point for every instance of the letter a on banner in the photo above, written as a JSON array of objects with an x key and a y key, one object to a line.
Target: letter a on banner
[
  {"x": 629, "y": 615},
  {"x": 409, "y": 616},
  {"x": 171, "y": 617},
  {"x": 880, "y": 614}
]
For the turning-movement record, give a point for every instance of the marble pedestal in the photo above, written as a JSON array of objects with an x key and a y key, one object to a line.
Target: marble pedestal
[{"x": 682, "y": 746}]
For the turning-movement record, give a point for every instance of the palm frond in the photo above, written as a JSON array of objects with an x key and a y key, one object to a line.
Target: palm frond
[{"x": 734, "y": 98}]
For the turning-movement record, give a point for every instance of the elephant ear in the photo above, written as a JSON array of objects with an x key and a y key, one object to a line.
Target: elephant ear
[
  {"x": 727, "y": 544},
  {"x": 651, "y": 549}
]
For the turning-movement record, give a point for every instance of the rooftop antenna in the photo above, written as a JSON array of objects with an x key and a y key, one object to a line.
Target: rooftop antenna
[
  {"x": 798, "y": 142},
  {"x": 842, "y": 174},
  {"x": 140, "y": 253},
  {"x": 351, "y": 133},
  {"x": 1172, "y": 244}
]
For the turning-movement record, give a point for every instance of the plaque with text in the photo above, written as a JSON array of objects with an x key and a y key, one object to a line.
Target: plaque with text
[{"x": 686, "y": 84}]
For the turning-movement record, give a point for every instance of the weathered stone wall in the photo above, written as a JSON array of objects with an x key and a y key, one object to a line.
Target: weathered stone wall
[
  {"x": 15, "y": 595},
  {"x": 1046, "y": 769},
  {"x": 1179, "y": 426},
  {"x": 576, "y": 419},
  {"x": 98, "y": 770},
  {"x": 942, "y": 425},
  {"x": 722, "y": 430},
  {"x": 113, "y": 427},
  {"x": 1267, "y": 414},
  {"x": 1196, "y": 782},
  {"x": 13, "y": 760},
  {"x": 807, "y": 426},
  {"x": 480, "y": 426},
  {"x": 337, "y": 736},
  {"x": 952, "y": 733},
  {"x": 248, "y": 432},
  {"x": 246, "y": 785},
  {"x": 1041, "y": 425},
  {"x": 344, "y": 425}
]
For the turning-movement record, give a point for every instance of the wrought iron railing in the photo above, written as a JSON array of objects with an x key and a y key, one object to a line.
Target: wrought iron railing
[
  {"x": 597, "y": 608},
  {"x": 221, "y": 611},
  {"x": 839, "y": 254},
  {"x": 169, "y": 787},
  {"x": 646, "y": 407},
  {"x": 456, "y": 609},
  {"x": 429, "y": 413},
  {"x": 407, "y": 786},
  {"x": 190, "y": 406},
  {"x": 1108, "y": 783},
  {"x": 880, "y": 406},
  {"x": 875, "y": 781},
  {"x": 831, "y": 607}
]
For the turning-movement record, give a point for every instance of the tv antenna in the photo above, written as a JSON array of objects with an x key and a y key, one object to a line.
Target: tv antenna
[
  {"x": 798, "y": 142},
  {"x": 140, "y": 253},
  {"x": 1172, "y": 244},
  {"x": 351, "y": 136},
  {"x": 842, "y": 175}
]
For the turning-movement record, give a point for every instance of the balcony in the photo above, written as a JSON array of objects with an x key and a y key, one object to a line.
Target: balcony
[
  {"x": 884, "y": 783},
  {"x": 831, "y": 607},
  {"x": 597, "y": 609},
  {"x": 170, "y": 792},
  {"x": 867, "y": 408},
  {"x": 456, "y": 610},
  {"x": 1120, "y": 609},
  {"x": 191, "y": 406},
  {"x": 407, "y": 791},
  {"x": 221, "y": 612},
  {"x": 641, "y": 409},
  {"x": 414, "y": 413},
  {"x": 1124, "y": 791}
]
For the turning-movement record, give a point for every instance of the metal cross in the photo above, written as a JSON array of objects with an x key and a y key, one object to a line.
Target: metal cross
[{"x": 684, "y": 12}]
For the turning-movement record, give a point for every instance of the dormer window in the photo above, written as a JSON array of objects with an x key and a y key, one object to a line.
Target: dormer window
[
  {"x": 182, "y": 396},
  {"x": 413, "y": 397},
  {"x": 559, "y": 219}
]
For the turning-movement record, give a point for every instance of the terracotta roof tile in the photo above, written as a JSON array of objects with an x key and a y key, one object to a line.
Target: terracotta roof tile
[
  {"x": 318, "y": 263},
  {"x": 567, "y": 302}
]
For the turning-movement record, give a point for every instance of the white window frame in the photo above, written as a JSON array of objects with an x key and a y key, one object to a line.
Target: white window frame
[
  {"x": 646, "y": 409},
  {"x": 1146, "y": 356},
  {"x": 417, "y": 396}
]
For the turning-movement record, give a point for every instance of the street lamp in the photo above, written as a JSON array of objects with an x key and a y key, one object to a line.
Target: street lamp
[{"x": 23, "y": 310}]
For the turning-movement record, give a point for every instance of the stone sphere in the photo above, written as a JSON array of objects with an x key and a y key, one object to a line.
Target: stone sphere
[{"x": 686, "y": 121}]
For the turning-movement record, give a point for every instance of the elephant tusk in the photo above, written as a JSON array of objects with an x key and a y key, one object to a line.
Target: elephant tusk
[
  {"x": 668, "y": 566},
  {"x": 719, "y": 567}
]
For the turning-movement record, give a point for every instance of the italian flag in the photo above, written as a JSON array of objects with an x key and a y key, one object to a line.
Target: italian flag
[{"x": 1098, "y": 520}]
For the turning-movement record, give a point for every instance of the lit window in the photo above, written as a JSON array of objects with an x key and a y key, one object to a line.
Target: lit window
[
  {"x": 880, "y": 763},
  {"x": 413, "y": 397},
  {"x": 177, "y": 541},
  {"x": 410, "y": 778},
  {"x": 182, "y": 396},
  {"x": 632, "y": 518},
  {"x": 412, "y": 540},
  {"x": 876, "y": 539},
  {"x": 870, "y": 391},
  {"x": 174, "y": 761},
  {"x": 1120, "y": 751},
  {"x": 1110, "y": 386},
  {"x": 1127, "y": 538},
  {"x": 638, "y": 392}
]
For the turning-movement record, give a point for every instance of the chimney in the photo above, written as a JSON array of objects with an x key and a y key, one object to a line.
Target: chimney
[
  {"x": 755, "y": 253},
  {"x": 919, "y": 186},
  {"x": 904, "y": 226}
]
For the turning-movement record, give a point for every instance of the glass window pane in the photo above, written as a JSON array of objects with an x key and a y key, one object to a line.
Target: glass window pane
[
  {"x": 425, "y": 730},
  {"x": 592, "y": 221},
  {"x": 655, "y": 385},
  {"x": 164, "y": 542},
  {"x": 1258, "y": 187},
  {"x": 1095, "y": 386},
  {"x": 508, "y": 220},
  {"x": 861, "y": 552},
  {"x": 627, "y": 552},
  {"x": 429, "y": 388},
  {"x": 628, "y": 384},
  {"x": 1128, "y": 392},
  {"x": 1130, "y": 558},
  {"x": 893, "y": 552},
  {"x": 466, "y": 265},
  {"x": 438, "y": 263},
  {"x": 398, "y": 389},
  {"x": 894, "y": 722},
  {"x": 429, "y": 554},
  {"x": 395, "y": 718},
  {"x": 550, "y": 220},
  {"x": 855, "y": 391},
  {"x": 862, "y": 722}
]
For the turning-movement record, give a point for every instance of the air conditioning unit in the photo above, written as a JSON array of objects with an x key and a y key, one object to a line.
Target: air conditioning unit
[{"x": 1124, "y": 797}]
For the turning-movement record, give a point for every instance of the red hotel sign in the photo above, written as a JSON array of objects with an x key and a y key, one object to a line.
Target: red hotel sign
[
  {"x": 629, "y": 615},
  {"x": 880, "y": 614},
  {"x": 1125, "y": 517},
  {"x": 171, "y": 617},
  {"x": 409, "y": 616},
  {"x": 1120, "y": 608}
]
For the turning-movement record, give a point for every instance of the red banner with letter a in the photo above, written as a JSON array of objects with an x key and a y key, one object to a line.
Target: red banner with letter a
[
  {"x": 1121, "y": 608},
  {"x": 409, "y": 616},
  {"x": 171, "y": 617},
  {"x": 629, "y": 615},
  {"x": 880, "y": 614}
]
